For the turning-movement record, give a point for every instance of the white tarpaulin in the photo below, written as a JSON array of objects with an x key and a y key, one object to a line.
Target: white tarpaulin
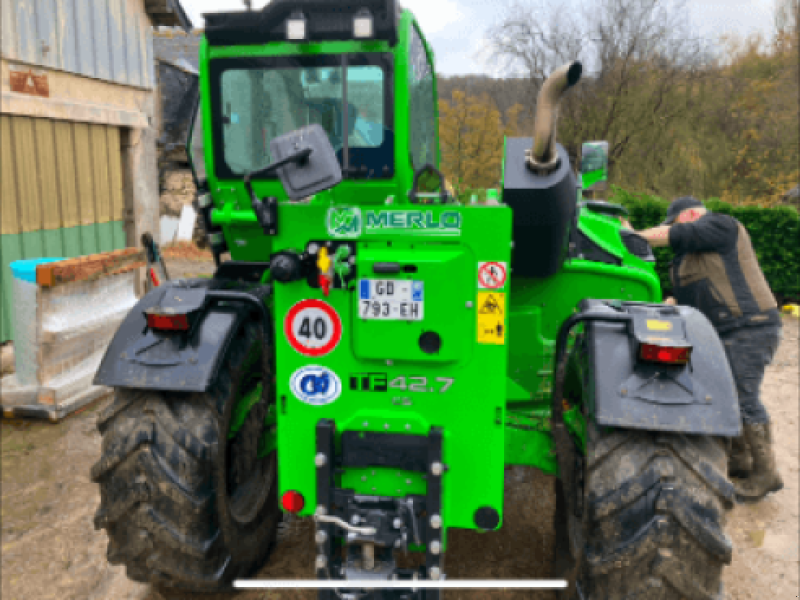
[
  {"x": 186, "y": 223},
  {"x": 169, "y": 229}
]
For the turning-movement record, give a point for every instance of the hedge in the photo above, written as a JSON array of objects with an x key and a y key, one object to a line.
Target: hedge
[{"x": 775, "y": 233}]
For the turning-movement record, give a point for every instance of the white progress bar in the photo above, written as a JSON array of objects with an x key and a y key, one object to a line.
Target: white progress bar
[{"x": 540, "y": 584}]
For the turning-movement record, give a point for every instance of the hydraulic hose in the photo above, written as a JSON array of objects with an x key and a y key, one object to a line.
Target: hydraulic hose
[{"x": 246, "y": 297}]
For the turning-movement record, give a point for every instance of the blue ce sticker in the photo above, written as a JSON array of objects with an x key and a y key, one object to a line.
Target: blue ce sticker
[{"x": 315, "y": 385}]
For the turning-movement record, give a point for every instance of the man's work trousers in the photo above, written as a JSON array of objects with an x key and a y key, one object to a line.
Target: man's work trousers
[{"x": 750, "y": 350}]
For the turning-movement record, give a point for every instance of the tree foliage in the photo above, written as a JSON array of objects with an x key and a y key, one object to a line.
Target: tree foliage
[
  {"x": 765, "y": 108},
  {"x": 679, "y": 118},
  {"x": 471, "y": 138},
  {"x": 636, "y": 55}
]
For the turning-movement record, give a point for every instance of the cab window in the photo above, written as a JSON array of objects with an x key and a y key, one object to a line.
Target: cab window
[{"x": 423, "y": 125}]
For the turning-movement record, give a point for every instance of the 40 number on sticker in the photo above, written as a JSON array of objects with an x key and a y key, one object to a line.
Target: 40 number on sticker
[{"x": 313, "y": 328}]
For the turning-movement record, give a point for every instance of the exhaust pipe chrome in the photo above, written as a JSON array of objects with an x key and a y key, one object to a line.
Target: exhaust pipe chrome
[{"x": 542, "y": 158}]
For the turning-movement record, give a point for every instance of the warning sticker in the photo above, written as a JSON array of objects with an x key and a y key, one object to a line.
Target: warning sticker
[
  {"x": 313, "y": 327},
  {"x": 491, "y": 318},
  {"x": 492, "y": 275}
]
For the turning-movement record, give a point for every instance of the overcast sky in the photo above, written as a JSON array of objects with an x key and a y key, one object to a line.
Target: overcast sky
[{"x": 455, "y": 28}]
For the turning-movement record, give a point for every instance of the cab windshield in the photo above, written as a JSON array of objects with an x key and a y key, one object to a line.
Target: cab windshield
[{"x": 256, "y": 100}]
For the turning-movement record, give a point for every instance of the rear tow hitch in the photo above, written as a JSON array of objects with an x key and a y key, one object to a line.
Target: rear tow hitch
[{"x": 356, "y": 535}]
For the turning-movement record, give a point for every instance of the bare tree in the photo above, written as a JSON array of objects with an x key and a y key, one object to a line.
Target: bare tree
[
  {"x": 786, "y": 16},
  {"x": 636, "y": 54},
  {"x": 532, "y": 41}
]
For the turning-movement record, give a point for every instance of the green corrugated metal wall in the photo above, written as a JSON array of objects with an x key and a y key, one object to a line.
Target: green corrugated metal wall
[{"x": 60, "y": 195}]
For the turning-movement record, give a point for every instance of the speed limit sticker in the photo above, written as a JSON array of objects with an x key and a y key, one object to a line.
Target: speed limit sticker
[{"x": 313, "y": 327}]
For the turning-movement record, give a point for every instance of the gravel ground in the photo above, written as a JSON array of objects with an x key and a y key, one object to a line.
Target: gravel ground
[{"x": 50, "y": 548}]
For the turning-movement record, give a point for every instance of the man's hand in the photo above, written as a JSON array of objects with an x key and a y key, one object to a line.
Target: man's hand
[
  {"x": 657, "y": 236},
  {"x": 670, "y": 301}
]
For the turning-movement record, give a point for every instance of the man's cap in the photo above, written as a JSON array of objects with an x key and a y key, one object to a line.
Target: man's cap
[{"x": 679, "y": 205}]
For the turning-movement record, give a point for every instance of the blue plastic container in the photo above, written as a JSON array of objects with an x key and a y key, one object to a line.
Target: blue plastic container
[{"x": 26, "y": 269}]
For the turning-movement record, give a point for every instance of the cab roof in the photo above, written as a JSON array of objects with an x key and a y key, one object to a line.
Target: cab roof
[{"x": 325, "y": 20}]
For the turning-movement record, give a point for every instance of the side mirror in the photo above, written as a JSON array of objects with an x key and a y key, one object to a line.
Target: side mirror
[
  {"x": 305, "y": 177},
  {"x": 594, "y": 166},
  {"x": 305, "y": 162}
]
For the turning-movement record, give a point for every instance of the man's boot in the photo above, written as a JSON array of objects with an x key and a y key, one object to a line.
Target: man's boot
[
  {"x": 764, "y": 478},
  {"x": 740, "y": 462}
]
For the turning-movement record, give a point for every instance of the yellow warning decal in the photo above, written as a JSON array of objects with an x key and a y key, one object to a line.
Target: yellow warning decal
[
  {"x": 491, "y": 318},
  {"x": 659, "y": 325}
]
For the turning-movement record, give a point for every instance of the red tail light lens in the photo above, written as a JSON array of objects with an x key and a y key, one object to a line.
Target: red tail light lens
[
  {"x": 293, "y": 502},
  {"x": 664, "y": 354},
  {"x": 170, "y": 322}
]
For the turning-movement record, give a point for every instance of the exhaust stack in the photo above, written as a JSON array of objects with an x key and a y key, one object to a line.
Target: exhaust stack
[{"x": 542, "y": 157}]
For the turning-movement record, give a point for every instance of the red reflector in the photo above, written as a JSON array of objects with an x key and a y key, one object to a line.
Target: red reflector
[
  {"x": 664, "y": 354},
  {"x": 293, "y": 501},
  {"x": 173, "y": 322},
  {"x": 154, "y": 277}
]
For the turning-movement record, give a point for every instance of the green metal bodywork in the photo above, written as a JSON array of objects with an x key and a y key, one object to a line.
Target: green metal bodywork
[{"x": 495, "y": 410}]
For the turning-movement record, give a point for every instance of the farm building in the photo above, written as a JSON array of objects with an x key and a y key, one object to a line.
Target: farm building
[
  {"x": 176, "y": 46},
  {"x": 78, "y": 128}
]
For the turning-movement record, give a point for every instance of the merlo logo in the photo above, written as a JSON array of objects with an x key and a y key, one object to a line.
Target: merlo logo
[{"x": 344, "y": 222}]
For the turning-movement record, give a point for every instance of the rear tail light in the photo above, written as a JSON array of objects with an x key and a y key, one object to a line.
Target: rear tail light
[
  {"x": 671, "y": 355},
  {"x": 168, "y": 322},
  {"x": 293, "y": 502}
]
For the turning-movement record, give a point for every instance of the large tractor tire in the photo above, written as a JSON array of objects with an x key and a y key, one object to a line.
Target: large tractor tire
[
  {"x": 184, "y": 505},
  {"x": 648, "y": 516}
]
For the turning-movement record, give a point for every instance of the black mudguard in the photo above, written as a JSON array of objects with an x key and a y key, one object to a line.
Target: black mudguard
[
  {"x": 697, "y": 398},
  {"x": 140, "y": 358}
]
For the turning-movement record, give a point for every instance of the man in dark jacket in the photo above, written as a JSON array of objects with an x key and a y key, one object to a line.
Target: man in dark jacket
[{"x": 716, "y": 271}]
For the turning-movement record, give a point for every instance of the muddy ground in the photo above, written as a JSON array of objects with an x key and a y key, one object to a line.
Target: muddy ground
[{"x": 50, "y": 548}]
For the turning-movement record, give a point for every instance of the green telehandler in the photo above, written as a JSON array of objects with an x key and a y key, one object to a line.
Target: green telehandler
[{"x": 374, "y": 354}]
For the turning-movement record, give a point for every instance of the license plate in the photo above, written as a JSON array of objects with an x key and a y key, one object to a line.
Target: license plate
[{"x": 390, "y": 299}]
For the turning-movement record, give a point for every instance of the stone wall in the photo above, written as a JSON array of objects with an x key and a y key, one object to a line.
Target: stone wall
[{"x": 179, "y": 191}]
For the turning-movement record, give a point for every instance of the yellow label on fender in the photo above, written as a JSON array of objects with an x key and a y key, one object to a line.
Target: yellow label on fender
[
  {"x": 659, "y": 325},
  {"x": 491, "y": 318}
]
